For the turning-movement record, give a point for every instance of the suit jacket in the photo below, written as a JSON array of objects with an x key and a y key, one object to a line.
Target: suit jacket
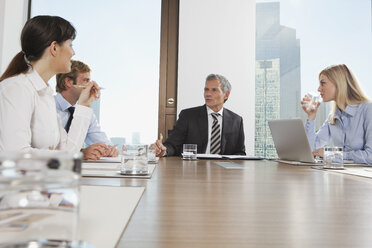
[{"x": 192, "y": 128}]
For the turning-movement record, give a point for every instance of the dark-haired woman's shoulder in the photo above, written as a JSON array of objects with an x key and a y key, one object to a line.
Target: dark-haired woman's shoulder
[
  {"x": 13, "y": 81},
  {"x": 17, "y": 88}
]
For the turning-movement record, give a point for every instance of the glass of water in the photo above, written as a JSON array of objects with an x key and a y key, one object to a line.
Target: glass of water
[
  {"x": 134, "y": 160},
  {"x": 333, "y": 157},
  {"x": 151, "y": 154},
  {"x": 189, "y": 151},
  {"x": 314, "y": 99},
  {"x": 39, "y": 199}
]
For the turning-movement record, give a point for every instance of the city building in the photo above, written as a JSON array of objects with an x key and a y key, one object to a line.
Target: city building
[{"x": 277, "y": 48}]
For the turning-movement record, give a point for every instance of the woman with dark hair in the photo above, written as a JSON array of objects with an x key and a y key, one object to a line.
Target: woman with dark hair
[
  {"x": 350, "y": 121},
  {"x": 28, "y": 117}
]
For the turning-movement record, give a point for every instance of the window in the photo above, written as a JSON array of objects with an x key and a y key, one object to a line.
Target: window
[
  {"x": 120, "y": 41},
  {"x": 295, "y": 40}
]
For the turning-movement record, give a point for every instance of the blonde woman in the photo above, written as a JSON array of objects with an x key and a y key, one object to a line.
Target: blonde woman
[{"x": 350, "y": 122}]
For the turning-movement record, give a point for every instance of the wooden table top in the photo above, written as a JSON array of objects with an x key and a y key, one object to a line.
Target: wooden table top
[{"x": 266, "y": 204}]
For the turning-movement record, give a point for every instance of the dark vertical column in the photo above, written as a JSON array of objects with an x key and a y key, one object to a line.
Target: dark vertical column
[{"x": 168, "y": 66}]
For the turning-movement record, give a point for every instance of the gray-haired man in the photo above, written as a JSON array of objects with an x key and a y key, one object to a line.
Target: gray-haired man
[{"x": 212, "y": 127}]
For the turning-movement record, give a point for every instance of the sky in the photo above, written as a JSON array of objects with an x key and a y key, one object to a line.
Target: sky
[{"x": 331, "y": 32}]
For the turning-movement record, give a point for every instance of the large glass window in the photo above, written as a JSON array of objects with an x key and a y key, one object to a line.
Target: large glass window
[
  {"x": 120, "y": 41},
  {"x": 295, "y": 40}
]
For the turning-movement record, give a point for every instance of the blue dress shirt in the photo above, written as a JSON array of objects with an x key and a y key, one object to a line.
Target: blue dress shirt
[
  {"x": 352, "y": 131},
  {"x": 94, "y": 134}
]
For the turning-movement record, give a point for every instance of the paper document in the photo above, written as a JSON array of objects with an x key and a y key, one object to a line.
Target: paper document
[
  {"x": 209, "y": 156},
  {"x": 355, "y": 171},
  {"x": 106, "y": 160},
  {"x": 217, "y": 156},
  {"x": 230, "y": 165},
  {"x": 243, "y": 157},
  {"x": 98, "y": 172},
  {"x": 320, "y": 163},
  {"x": 100, "y": 166},
  {"x": 104, "y": 213}
]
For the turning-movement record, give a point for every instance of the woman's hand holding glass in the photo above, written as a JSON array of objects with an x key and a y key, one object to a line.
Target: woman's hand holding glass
[
  {"x": 310, "y": 104},
  {"x": 319, "y": 152},
  {"x": 89, "y": 94}
]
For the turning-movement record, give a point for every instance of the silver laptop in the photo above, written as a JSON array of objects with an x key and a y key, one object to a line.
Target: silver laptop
[{"x": 291, "y": 141}]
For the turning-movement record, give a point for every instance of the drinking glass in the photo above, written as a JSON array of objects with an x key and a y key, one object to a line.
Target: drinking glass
[
  {"x": 39, "y": 199},
  {"x": 314, "y": 98},
  {"x": 333, "y": 157},
  {"x": 189, "y": 151},
  {"x": 134, "y": 160},
  {"x": 151, "y": 154}
]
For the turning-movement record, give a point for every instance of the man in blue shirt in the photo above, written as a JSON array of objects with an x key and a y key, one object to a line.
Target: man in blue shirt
[{"x": 69, "y": 87}]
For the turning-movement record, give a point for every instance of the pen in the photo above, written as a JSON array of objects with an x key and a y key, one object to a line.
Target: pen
[
  {"x": 83, "y": 86},
  {"x": 115, "y": 145},
  {"x": 161, "y": 137}
]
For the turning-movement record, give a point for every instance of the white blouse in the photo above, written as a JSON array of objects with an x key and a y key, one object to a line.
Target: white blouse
[{"x": 29, "y": 120}]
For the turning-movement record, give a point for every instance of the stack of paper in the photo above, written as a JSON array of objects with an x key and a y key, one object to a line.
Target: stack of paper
[{"x": 217, "y": 156}]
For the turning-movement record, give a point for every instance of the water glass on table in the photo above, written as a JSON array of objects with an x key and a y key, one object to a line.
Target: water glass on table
[
  {"x": 134, "y": 160},
  {"x": 39, "y": 203},
  {"x": 333, "y": 157},
  {"x": 189, "y": 151},
  {"x": 151, "y": 154}
]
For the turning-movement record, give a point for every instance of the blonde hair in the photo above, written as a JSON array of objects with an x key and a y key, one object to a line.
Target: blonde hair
[
  {"x": 348, "y": 90},
  {"x": 76, "y": 68}
]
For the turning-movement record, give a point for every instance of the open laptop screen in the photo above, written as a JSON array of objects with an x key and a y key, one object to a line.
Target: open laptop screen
[{"x": 290, "y": 140}]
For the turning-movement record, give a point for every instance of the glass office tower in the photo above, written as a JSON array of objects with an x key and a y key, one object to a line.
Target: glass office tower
[{"x": 278, "y": 78}]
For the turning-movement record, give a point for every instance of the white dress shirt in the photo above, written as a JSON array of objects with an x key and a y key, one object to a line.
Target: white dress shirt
[
  {"x": 94, "y": 133},
  {"x": 210, "y": 123},
  {"x": 29, "y": 120}
]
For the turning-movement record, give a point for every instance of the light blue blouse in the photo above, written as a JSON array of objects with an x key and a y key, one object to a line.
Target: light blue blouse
[{"x": 352, "y": 131}]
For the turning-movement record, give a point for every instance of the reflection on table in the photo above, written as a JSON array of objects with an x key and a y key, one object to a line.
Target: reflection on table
[{"x": 265, "y": 204}]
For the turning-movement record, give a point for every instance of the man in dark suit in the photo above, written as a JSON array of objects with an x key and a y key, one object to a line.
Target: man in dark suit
[{"x": 212, "y": 127}]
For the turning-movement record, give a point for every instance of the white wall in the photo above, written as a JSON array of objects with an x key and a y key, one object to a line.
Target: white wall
[
  {"x": 218, "y": 36},
  {"x": 13, "y": 15}
]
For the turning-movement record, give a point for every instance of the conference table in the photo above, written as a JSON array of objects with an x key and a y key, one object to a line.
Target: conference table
[{"x": 265, "y": 204}]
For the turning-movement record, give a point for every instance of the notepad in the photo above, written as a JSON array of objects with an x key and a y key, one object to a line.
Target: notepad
[
  {"x": 113, "y": 171},
  {"x": 101, "y": 166},
  {"x": 104, "y": 213},
  {"x": 105, "y": 160},
  {"x": 241, "y": 157},
  {"x": 237, "y": 157},
  {"x": 230, "y": 165}
]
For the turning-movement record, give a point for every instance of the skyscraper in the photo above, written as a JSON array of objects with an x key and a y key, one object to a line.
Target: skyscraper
[
  {"x": 267, "y": 106},
  {"x": 279, "y": 97}
]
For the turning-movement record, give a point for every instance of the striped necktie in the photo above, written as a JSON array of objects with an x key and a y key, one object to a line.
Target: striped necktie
[{"x": 215, "y": 135}]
